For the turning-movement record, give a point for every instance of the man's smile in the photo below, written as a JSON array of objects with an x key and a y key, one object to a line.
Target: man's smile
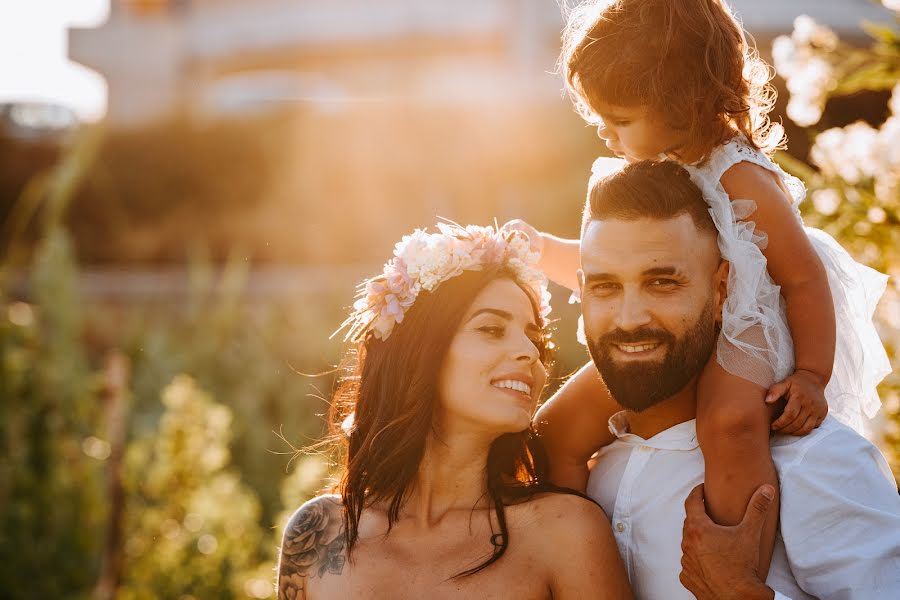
[{"x": 641, "y": 350}]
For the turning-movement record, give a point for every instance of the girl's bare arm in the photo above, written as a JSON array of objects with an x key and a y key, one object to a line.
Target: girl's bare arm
[{"x": 573, "y": 424}]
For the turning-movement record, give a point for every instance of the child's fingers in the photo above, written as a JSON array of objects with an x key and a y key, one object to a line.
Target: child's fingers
[
  {"x": 821, "y": 409},
  {"x": 790, "y": 414},
  {"x": 791, "y": 427},
  {"x": 778, "y": 390},
  {"x": 803, "y": 428}
]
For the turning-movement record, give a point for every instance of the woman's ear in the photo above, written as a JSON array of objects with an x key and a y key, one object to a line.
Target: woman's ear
[{"x": 720, "y": 285}]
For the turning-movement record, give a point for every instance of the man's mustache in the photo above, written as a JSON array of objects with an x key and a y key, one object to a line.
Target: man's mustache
[{"x": 646, "y": 334}]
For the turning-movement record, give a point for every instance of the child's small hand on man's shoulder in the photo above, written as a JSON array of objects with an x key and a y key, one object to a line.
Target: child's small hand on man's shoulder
[{"x": 805, "y": 408}]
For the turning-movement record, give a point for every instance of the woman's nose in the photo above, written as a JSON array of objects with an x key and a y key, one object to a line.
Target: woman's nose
[{"x": 526, "y": 350}]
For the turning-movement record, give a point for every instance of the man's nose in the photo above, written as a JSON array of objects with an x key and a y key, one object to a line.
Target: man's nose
[{"x": 633, "y": 312}]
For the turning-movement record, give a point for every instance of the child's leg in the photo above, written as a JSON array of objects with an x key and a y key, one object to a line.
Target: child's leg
[{"x": 733, "y": 431}]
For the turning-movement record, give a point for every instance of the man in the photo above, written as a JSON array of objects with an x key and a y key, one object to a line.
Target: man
[{"x": 646, "y": 271}]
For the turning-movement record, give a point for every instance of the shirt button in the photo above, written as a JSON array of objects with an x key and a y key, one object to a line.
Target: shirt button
[{"x": 620, "y": 527}]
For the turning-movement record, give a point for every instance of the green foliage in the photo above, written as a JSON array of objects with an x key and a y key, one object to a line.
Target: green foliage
[
  {"x": 192, "y": 526},
  {"x": 854, "y": 175},
  {"x": 51, "y": 507}
]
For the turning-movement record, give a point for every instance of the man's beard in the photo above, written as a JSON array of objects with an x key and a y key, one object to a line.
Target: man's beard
[{"x": 640, "y": 385}]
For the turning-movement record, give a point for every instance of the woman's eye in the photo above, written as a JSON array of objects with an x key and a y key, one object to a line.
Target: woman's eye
[
  {"x": 492, "y": 330},
  {"x": 621, "y": 123}
]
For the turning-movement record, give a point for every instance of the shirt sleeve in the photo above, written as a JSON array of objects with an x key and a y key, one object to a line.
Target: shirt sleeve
[
  {"x": 780, "y": 596},
  {"x": 840, "y": 520}
]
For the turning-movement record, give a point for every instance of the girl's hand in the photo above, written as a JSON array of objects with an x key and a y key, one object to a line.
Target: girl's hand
[
  {"x": 534, "y": 236},
  {"x": 806, "y": 405}
]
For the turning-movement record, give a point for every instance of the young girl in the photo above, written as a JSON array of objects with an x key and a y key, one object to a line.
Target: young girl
[{"x": 675, "y": 80}]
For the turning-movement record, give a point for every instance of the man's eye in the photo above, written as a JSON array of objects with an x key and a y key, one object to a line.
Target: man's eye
[
  {"x": 601, "y": 288},
  {"x": 663, "y": 282}
]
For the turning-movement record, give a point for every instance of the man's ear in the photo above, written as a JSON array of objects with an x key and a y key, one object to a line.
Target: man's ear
[
  {"x": 720, "y": 285},
  {"x": 580, "y": 283}
]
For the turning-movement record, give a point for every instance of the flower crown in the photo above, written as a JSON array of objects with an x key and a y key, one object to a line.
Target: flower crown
[{"x": 422, "y": 261}]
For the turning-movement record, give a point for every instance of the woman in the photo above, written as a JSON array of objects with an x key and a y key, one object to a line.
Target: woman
[{"x": 444, "y": 493}]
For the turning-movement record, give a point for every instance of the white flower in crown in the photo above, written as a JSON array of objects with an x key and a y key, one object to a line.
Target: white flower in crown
[{"x": 423, "y": 260}]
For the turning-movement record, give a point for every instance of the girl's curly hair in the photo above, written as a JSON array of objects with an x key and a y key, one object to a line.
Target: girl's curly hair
[{"x": 687, "y": 60}]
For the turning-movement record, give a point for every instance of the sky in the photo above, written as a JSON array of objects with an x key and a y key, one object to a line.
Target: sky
[{"x": 33, "y": 48}]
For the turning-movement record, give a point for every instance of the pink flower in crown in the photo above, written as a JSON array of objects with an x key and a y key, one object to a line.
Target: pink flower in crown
[
  {"x": 381, "y": 328},
  {"x": 423, "y": 261},
  {"x": 397, "y": 279},
  {"x": 392, "y": 308}
]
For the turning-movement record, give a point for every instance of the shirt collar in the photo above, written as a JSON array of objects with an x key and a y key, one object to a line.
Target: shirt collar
[{"x": 682, "y": 436}]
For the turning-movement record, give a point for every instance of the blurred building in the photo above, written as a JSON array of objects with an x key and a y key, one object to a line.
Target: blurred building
[
  {"x": 238, "y": 55},
  {"x": 224, "y": 56}
]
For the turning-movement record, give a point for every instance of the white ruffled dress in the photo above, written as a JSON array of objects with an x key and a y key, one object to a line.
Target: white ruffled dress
[{"x": 755, "y": 341}]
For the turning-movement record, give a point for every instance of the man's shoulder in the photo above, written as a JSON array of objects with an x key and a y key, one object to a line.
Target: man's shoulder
[
  {"x": 832, "y": 450},
  {"x": 831, "y": 436}
]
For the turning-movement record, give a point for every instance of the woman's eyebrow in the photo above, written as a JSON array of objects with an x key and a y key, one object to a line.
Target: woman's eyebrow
[
  {"x": 503, "y": 315},
  {"x": 493, "y": 311}
]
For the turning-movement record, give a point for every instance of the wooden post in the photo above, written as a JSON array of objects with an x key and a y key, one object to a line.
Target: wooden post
[{"x": 115, "y": 396}]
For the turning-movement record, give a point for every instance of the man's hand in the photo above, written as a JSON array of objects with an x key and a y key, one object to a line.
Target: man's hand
[
  {"x": 721, "y": 563},
  {"x": 806, "y": 406}
]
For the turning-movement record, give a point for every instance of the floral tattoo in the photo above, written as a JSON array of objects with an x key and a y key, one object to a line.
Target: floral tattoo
[{"x": 313, "y": 545}]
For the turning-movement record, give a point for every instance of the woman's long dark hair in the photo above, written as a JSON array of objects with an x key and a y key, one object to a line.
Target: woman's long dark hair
[{"x": 391, "y": 387}]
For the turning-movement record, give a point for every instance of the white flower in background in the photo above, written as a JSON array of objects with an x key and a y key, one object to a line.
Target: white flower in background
[
  {"x": 848, "y": 153},
  {"x": 894, "y": 103},
  {"x": 887, "y": 148},
  {"x": 892, "y": 4},
  {"x": 813, "y": 80},
  {"x": 826, "y": 201},
  {"x": 809, "y": 33},
  {"x": 787, "y": 56},
  {"x": 804, "y": 111},
  {"x": 876, "y": 215},
  {"x": 807, "y": 75}
]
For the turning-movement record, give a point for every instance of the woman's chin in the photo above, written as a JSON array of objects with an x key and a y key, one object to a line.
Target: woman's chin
[{"x": 519, "y": 420}]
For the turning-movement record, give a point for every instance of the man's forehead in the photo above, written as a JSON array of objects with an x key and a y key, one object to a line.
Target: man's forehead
[{"x": 615, "y": 244}]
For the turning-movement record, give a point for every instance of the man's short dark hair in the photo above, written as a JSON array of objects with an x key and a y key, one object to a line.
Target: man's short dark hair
[{"x": 647, "y": 190}]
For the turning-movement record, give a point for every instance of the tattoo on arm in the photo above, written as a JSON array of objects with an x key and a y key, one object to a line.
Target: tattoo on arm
[{"x": 313, "y": 544}]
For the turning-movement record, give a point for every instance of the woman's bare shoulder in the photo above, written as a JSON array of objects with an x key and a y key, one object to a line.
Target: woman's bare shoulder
[
  {"x": 553, "y": 505},
  {"x": 313, "y": 545},
  {"x": 564, "y": 518},
  {"x": 580, "y": 526}
]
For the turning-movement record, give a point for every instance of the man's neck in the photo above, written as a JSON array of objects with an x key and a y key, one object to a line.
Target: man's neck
[{"x": 665, "y": 414}]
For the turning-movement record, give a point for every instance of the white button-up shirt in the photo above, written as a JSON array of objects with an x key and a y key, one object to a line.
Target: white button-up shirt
[{"x": 839, "y": 535}]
